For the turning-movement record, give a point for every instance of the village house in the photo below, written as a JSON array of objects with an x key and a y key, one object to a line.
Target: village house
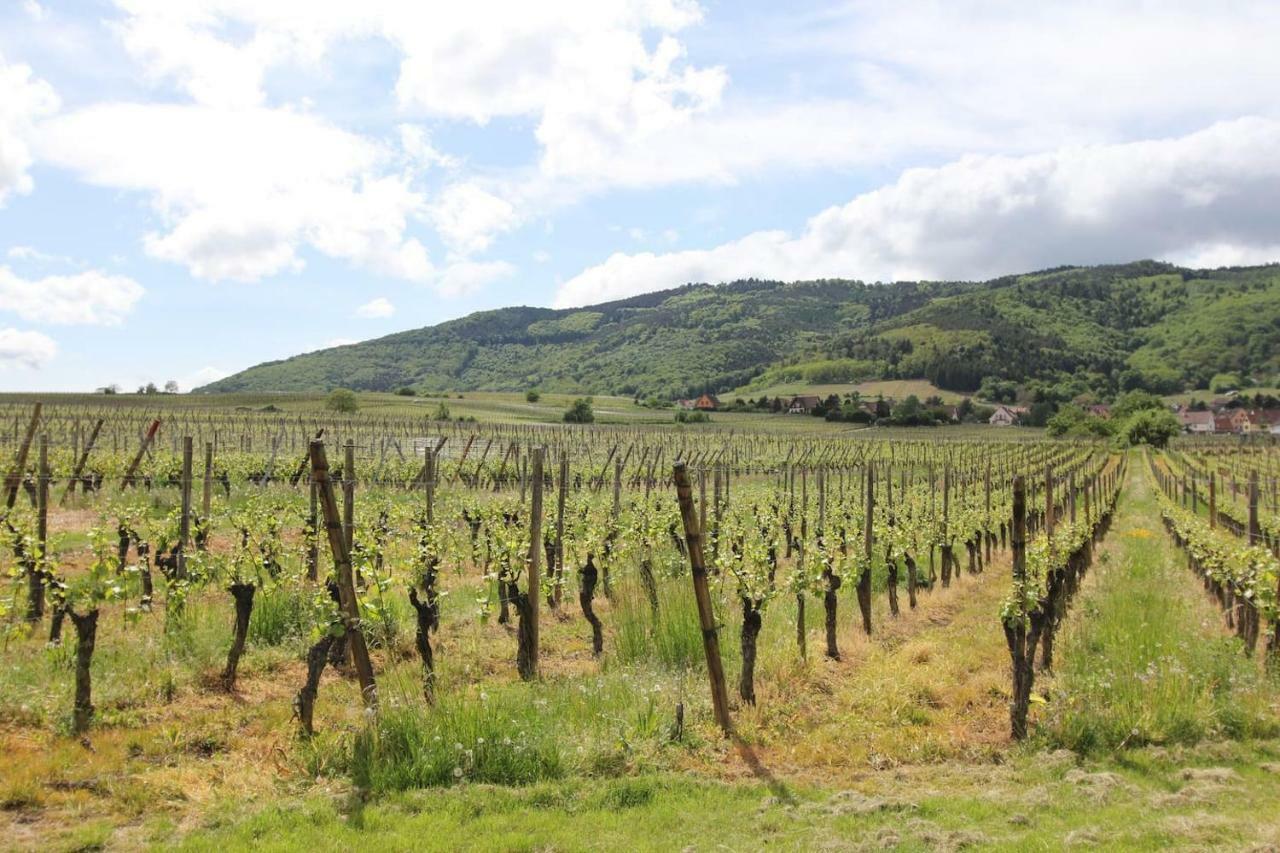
[
  {"x": 1222, "y": 424},
  {"x": 707, "y": 403},
  {"x": 1196, "y": 422},
  {"x": 1240, "y": 421},
  {"x": 1006, "y": 415},
  {"x": 803, "y": 404}
]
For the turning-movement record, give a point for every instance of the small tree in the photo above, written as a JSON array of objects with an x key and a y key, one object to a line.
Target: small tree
[
  {"x": 441, "y": 413},
  {"x": 342, "y": 400},
  {"x": 406, "y": 391},
  {"x": 1151, "y": 426},
  {"x": 171, "y": 387},
  {"x": 533, "y": 395},
  {"x": 580, "y": 412}
]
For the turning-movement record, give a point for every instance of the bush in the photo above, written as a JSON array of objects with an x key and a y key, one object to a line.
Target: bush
[
  {"x": 1076, "y": 422},
  {"x": 694, "y": 417},
  {"x": 532, "y": 395},
  {"x": 580, "y": 412},
  {"x": 406, "y": 391},
  {"x": 441, "y": 413},
  {"x": 342, "y": 400},
  {"x": 1132, "y": 402},
  {"x": 1151, "y": 426}
]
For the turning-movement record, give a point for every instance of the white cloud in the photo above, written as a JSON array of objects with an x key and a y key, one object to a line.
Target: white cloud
[
  {"x": 31, "y": 253},
  {"x": 615, "y": 100},
  {"x": 416, "y": 143},
  {"x": 242, "y": 191},
  {"x": 87, "y": 298},
  {"x": 612, "y": 98},
  {"x": 1210, "y": 194},
  {"x": 468, "y": 217},
  {"x": 462, "y": 277},
  {"x": 23, "y": 100},
  {"x": 376, "y": 309},
  {"x": 34, "y": 10},
  {"x": 26, "y": 349}
]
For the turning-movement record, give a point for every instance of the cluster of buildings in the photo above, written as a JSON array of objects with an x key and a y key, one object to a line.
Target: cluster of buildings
[{"x": 1220, "y": 420}]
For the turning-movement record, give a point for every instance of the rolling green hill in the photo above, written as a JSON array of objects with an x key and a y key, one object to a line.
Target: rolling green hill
[{"x": 1102, "y": 329}]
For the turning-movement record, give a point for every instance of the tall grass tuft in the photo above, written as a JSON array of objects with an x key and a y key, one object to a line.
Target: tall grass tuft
[
  {"x": 672, "y": 639},
  {"x": 280, "y": 615},
  {"x": 514, "y": 734},
  {"x": 501, "y": 740}
]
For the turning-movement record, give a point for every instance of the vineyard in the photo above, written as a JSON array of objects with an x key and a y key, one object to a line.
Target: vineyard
[{"x": 210, "y": 611}]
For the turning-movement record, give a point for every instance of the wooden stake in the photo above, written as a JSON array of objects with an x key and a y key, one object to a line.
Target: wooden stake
[
  {"x": 701, "y": 592},
  {"x": 342, "y": 565},
  {"x": 132, "y": 470},
  {"x": 184, "y": 524},
  {"x": 348, "y": 492},
  {"x": 14, "y": 480},
  {"x": 535, "y": 554},
  {"x": 206, "y": 496},
  {"x": 83, "y": 459}
]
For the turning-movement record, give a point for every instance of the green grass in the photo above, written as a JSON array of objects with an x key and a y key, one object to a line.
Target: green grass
[
  {"x": 1146, "y": 660},
  {"x": 671, "y": 638},
  {"x": 1160, "y": 800}
]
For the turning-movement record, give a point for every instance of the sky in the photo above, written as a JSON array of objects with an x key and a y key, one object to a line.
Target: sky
[{"x": 191, "y": 187}]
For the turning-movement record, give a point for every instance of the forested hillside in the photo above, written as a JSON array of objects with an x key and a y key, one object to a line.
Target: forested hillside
[{"x": 1101, "y": 329}]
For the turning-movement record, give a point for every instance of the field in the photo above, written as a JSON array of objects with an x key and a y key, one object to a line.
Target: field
[{"x": 419, "y": 642}]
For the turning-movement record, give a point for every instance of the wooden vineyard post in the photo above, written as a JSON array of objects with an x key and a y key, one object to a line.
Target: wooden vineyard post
[
  {"x": 617, "y": 487},
  {"x": 1255, "y": 532},
  {"x": 313, "y": 549},
  {"x": 430, "y": 478},
  {"x": 986, "y": 484},
  {"x": 132, "y": 470},
  {"x": 868, "y": 540},
  {"x": 1213, "y": 500},
  {"x": 715, "y": 529},
  {"x": 342, "y": 568},
  {"x": 945, "y": 549},
  {"x": 184, "y": 523},
  {"x": 348, "y": 492},
  {"x": 35, "y": 580},
  {"x": 563, "y": 482},
  {"x": 702, "y": 593},
  {"x": 206, "y": 494},
  {"x": 14, "y": 480},
  {"x": 81, "y": 461},
  {"x": 535, "y": 552},
  {"x": 1048, "y": 502},
  {"x": 1016, "y": 635},
  {"x": 702, "y": 498}
]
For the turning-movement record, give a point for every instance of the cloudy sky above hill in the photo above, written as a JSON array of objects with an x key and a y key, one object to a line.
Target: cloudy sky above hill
[{"x": 188, "y": 187}]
